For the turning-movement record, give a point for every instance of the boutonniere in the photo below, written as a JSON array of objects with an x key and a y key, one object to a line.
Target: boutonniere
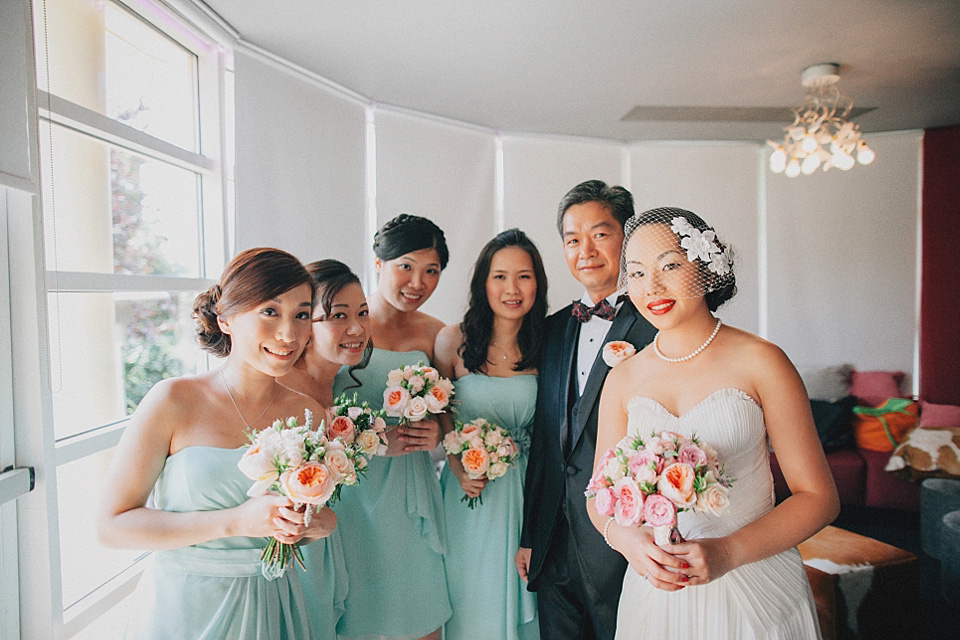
[{"x": 616, "y": 351}]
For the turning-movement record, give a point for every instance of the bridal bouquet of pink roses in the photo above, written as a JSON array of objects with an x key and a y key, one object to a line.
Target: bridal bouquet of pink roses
[
  {"x": 414, "y": 392},
  {"x": 648, "y": 481},
  {"x": 485, "y": 449},
  {"x": 307, "y": 466}
]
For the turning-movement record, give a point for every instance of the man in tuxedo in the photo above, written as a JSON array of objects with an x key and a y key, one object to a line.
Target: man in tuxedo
[{"x": 577, "y": 577}]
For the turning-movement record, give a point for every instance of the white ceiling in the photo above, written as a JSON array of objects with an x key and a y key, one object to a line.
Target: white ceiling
[{"x": 576, "y": 67}]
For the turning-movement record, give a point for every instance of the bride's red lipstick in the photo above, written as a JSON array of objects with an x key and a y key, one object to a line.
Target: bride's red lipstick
[{"x": 660, "y": 307}]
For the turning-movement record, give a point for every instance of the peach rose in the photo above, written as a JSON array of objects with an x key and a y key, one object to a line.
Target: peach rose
[
  {"x": 311, "y": 483},
  {"x": 395, "y": 401},
  {"x": 617, "y": 351},
  {"x": 257, "y": 461},
  {"x": 468, "y": 431},
  {"x": 497, "y": 469},
  {"x": 437, "y": 399},
  {"x": 629, "y": 509},
  {"x": 475, "y": 462},
  {"x": 659, "y": 511},
  {"x": 431, "y": 374},
  {"x": 379, "y": 424},
  {"x": 714, "y": 499},
  {"x": 676, "y": 484},
  {"x": 340, "y": 466},
  {"x": 452, "y": 442},
  {"x": 342, "y": 427},
  {"x": 369, "y": 441}
]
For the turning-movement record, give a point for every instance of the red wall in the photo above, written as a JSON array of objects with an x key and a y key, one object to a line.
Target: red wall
[{"x": 940, "y": 284}]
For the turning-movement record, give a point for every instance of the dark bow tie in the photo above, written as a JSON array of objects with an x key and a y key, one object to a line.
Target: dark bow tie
[{"x": 603, "y": 310}]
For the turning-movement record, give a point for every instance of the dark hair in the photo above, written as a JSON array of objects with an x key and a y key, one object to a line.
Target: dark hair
[
  {"x": 407, "y": 233},
  {"x": 477, "y": 325},
  {"x": 617, "y": 199},
  {"x": 252, "y": 277},
  {"x": 330, "y": 277},
  {"x": 656, "y": 216}
]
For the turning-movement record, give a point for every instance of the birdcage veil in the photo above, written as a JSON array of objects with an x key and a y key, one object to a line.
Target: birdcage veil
[{"x": 687, "y": 241}]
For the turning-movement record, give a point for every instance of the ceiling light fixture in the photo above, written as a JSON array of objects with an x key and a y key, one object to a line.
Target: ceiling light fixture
[{"x": 821, "y": 135}]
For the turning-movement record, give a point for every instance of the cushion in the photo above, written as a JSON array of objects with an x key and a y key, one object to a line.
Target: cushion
[
  {"x": 828, "y": 383},
  {"x": 939, "y": 415},
  {"x": 832, "y": 420},
  {"x": 882, "y": 428},
  {"x": 872, "y": 388},
  {"x": 932, "y": 452}
]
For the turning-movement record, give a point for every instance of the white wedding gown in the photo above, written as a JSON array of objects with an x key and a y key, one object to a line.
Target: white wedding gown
[{"x": 770, "y": 598}]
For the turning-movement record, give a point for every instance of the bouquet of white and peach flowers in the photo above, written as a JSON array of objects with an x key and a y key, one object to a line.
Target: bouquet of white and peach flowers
[
  {"x": 414, "y": 392},
  {"x": 485, "y": 449},
  {"x": 648, "y": 481},
  {"x": 359, "y": 427},
  {"x": 303, "y": 464}
]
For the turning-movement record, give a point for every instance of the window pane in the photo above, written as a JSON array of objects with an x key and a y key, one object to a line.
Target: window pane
[
  {"x": 113, "y": 211},
  {"x": 85, "y": 563},
  {"x": 108, "y": 349},
  {"x": 104, "y": 58}
]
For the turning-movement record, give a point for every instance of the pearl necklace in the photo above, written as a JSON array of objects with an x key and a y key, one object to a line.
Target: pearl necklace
[
  {"x": 656, "y": 347},
  {"x": 229, "y": 393}
]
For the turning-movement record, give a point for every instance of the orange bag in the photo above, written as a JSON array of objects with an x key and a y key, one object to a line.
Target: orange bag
[{"x": 884, "y": 427}]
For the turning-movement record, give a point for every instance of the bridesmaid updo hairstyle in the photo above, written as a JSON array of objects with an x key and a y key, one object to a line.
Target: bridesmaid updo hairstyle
[
  {"x": 407, "y": 233},
  {"x": 252, "y": 277}
]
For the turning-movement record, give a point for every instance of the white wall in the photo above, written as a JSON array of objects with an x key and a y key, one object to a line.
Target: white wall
[
  {"x": 843, "y": 260},
  {"x": 300, "y": 165},
  {"x": 827, "y": 263}
]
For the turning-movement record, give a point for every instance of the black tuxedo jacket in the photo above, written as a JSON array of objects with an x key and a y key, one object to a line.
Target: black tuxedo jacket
[{"x": 556, "y": 481}]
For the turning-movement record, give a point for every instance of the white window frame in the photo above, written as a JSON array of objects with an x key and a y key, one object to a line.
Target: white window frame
[{"x": 41, "y": 606}]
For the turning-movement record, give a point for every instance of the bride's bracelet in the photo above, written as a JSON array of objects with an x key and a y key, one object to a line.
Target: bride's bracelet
[{"x": 606, "y": 529}]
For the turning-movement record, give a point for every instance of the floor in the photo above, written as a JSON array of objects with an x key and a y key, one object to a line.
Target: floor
[{"x": 936, "y": 618}]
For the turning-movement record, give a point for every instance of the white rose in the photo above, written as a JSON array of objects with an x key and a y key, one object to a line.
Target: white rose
[
  {"x": 493, "y": 438},
  {"x": 416, "y": 409},
  {"x": 416, "y": 383},
  {"x": 369, "y": 442},
  {"x": 394, "y": 378},
  {"x": 354, "y": 412},
  {"x": 614, "y": 470},
  {"x": 497, "y": 469}
]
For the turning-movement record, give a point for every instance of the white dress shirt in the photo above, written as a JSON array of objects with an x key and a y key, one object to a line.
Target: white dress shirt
[{"x": 592, "y": 334}]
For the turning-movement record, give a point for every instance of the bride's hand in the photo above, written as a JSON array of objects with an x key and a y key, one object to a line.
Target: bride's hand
[
  {"x": 658, "y": 567},
  {"x": 708, "y": 559}
]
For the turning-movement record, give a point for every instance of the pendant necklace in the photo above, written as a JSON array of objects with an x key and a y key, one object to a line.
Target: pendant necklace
[
  {"x": 656, "y": 346},
  {"x": 501, "y": 349},
  {"x": 239, "y": 413}
]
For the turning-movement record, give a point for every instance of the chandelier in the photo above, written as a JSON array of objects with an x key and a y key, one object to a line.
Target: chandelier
[{"x": 821, "y": 135}]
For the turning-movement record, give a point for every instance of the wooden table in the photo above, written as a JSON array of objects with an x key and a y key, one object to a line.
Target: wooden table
[{"x": 862, "y": 587}]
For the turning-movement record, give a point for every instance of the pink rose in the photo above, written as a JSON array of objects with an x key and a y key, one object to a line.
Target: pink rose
[
  {"x": 676, "y": 483},
  {"x": 342, "y": 427},
  {"x": 340, "y": 466},
  {"x": 599, "y": 479},
  {"x": 311, "y": 483},
  {"x": 257, "y": 461},
  {"x": 379, "y": 424},
  {"x": 657, "y": 445},
  {"x": 617, "y": 351},
  {"x": 643, "y": 466},
  {"x": 507, "y": 448},
  {"x": 395, "y": 401},
  {"x": 692, "y": 455},
  {"x": 629, "y": 509},
  {"x": 605, "y": 501},
  {"x": 659, "y": 511},
  {"x": 452, "y": 442}
]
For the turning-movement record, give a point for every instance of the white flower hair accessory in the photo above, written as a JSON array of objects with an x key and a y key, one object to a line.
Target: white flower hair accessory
[
  {"x": 702, "y": 245},
  {"x": 616, "y": 351}
]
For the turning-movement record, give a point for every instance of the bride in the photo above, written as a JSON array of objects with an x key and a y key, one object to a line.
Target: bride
[{"x": 738, "y": 575}]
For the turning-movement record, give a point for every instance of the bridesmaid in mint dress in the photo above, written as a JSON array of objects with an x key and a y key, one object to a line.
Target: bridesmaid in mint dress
[
  {"x": 392, "y": 523},
  {"x": 492, "y": 355},
  {"x": 341, "y": 336},
  {"x": 183, "y": 443}
]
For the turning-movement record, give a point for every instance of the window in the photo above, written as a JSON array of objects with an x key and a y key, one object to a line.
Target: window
[{"x": 135, "y": 193}]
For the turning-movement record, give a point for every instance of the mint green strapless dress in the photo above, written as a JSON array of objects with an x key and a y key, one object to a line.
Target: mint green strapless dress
[
  {"x": 489, "y": 599},
  {"x": 213, "y": 590},
  {"x": 325, "y": 582},
  {"x": 391, "y": 526}
]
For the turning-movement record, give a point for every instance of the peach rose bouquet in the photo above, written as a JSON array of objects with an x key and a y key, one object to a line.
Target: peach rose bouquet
[
  {"x": 301, "y": 463},
  {"x": 413, "y": 392},
  {"x": 485, "y": 449},
  {"x": 648, "y": 481}
]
